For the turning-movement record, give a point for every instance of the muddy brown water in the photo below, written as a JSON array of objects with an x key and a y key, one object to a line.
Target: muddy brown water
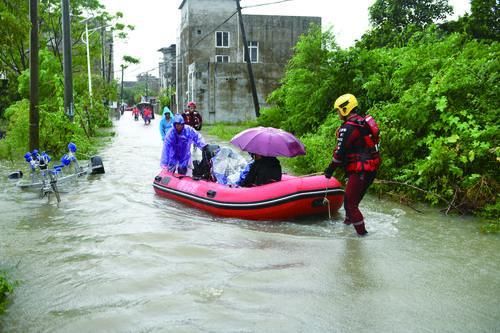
[{"x": 114, "y": 257}]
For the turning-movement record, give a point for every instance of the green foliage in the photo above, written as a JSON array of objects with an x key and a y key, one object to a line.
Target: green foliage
[
  {"x": 166, "y": 96},
  {"x": 130, "y": 60},
  {"x": 394, "y": 22},
  {"x": 491, "y": 212},
  {"x": 6, "y": 288},
  {"x": 435, "y": 99},
  {"x": 402, "y": 13},
  {"x": 305, "y": 97},
  {"x": 227, "y": 131},
  {"x": 55, "y": 132},
  {"x": 484, "y": 22},
  {"x": 319, "y": 148},
  {"x": 54, "y": 128},
  {"x": 133, "y": 95}
]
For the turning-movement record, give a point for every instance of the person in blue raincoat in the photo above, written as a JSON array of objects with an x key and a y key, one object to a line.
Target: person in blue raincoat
[
  {"x": 166, "y": 123},
  {"x": 176, "y": 151}
]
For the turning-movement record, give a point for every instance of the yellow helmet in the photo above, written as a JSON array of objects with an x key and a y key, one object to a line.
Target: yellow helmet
[{"x": 345, "y": 104}]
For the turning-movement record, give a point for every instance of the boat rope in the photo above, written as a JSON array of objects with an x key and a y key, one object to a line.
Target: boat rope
[{"x": 326, "y": 202}]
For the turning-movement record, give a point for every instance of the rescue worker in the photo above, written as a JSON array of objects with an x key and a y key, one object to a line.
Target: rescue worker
[
  {"x": 192, "y": 117},
  {"x": 357, "y": 152},
  {"x": 166, "y": 122},
  {"x": 176, "y": 153}
]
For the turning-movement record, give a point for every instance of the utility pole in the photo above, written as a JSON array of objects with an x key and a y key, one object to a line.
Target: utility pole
[
  {"x": 110, "y": 59},
  {"x": 103, "y": 52},
  {"x": 147, "y": 99},
  {"x": 68, "y": 75},
  {"x": 121, "y": 88},
  {"x": 249, "y": 62},
  {"x": 34, "y": 131}
]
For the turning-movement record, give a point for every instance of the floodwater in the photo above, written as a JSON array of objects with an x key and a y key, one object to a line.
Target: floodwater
[{"x": 114, "y": 257}]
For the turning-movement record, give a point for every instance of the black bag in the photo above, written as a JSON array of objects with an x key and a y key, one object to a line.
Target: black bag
[{"x": 203, "y": 169}]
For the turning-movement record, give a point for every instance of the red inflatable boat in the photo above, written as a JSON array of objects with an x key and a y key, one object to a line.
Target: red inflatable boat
[{"x": 290, "y": 198}]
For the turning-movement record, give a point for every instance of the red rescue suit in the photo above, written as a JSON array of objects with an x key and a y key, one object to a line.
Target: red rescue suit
[
  {"x": 193, "y": 119},
  {"x": 357, "y": 152}
]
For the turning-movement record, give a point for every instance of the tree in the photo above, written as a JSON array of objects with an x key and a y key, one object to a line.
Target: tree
[
  {"x": 126, "y": 60},
  {"x": 395, "y": 21},
  {"x": 55, "y": 131},
  {"x": 399, "y": 14},
  {"x": 313, "y": 63},
  {"x": 485, "y": 19}
]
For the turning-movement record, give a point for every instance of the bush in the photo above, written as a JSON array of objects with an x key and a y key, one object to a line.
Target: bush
[
  {"x": 6, "y": 288},
  {"x": 436, "y": 102}
]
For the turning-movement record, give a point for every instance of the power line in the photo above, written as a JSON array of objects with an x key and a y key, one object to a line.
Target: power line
[
  {"x": 199, "y": 41},
  {"x": 215, "y": 29},
  {"x": 265, "y": 4}
]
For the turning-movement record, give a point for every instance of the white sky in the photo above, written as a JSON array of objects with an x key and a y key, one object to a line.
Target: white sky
[{"x": 156, "y": 23}]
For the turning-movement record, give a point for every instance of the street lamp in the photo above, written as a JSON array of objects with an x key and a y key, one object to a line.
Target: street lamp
[{"x": 86, "y": 42}]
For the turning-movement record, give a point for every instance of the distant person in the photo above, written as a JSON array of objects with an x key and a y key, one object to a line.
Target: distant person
[
  {"x": 357, "y": 152},
  {"x": 166, "y": 123},
  {"x": 146, "y": 115},
  {"x": 262, "y": 170},
  {"x": 135, "y": 113},
  {"x": 192, "y": 117},
  {"x": 176, "y": 153}
]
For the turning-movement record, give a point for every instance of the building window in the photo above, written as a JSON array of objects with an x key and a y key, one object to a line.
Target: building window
[
  {"x": 221, "y": 58},
  {"x": 221, "y": 39},
  {"x": 253, "y": 51}
]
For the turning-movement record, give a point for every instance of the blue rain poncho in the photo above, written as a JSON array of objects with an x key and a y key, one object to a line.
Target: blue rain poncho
[
  {"x": 164, "y": 124},
  {"x": 177, "y": 146}
]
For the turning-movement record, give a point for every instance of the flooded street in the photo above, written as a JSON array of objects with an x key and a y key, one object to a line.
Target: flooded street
[{"x": 114, "y": 257}]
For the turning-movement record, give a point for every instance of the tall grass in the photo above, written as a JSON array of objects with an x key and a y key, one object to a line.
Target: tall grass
[{"x": 226, "y": 132}]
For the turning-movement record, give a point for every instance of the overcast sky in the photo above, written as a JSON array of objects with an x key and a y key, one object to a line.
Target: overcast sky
[{"x": 156, "y": 24}]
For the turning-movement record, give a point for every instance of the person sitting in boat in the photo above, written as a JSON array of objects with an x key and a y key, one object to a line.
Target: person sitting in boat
[
  {"x": 166, "y": 122},
  {"x": 262, "y": 170},
  {"x": 176, "y": 152}
]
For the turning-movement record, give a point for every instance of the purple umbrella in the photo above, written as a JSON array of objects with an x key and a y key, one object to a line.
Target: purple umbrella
[{"x": 268, "y": 141}]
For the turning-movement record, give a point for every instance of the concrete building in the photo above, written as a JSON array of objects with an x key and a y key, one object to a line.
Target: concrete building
[
  {"x": 211, "y": 68},
  {"x": 167, "y": 68},
  {"x": 168, "y": 73}
]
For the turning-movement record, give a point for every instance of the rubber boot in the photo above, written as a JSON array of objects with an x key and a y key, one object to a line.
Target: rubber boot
[{"x": 360, "y": 228}]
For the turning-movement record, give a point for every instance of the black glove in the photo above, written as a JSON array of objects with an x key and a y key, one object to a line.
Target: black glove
[{"x": 329, "y": 171}]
